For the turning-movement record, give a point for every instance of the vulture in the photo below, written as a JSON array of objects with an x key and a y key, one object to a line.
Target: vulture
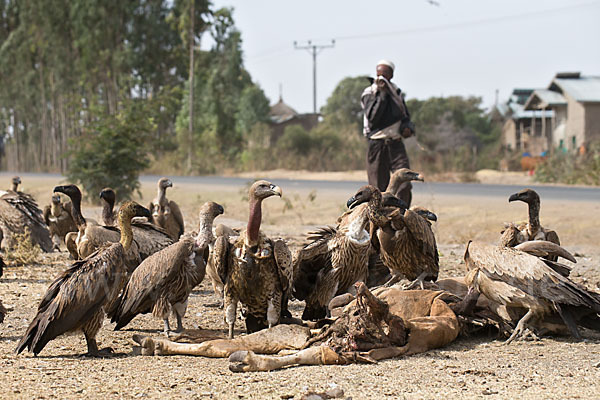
[
  {"x": 18, "y": 213},
  {"x": 58, "y": 216},
  {"x": 108, "y": 197},
  {"x": 336, "y": 257},
  {"x": 166, "y": 213},
  {"x": 256, "y": 270},
  {"x": 211, "y": 271},
  {"x": 75, "y": 301},
  {"x": 516, "y": 279},
  {"x": 147, "y": 238},
  {"x": 406, "y": 241},
  {"x": 163, "y": 281},
  {"x": 532, "y": 230}
]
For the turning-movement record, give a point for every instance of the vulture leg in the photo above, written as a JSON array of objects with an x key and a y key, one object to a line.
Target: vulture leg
[
  {"x": 521, "y": 326},
  {"x": 55, "y": 242},
  {"x": 420, "y": 281},
  {"x": 167, "y": 327},
  {"x": 92, "y": 346},
  {"x": 179, "y": 311},
  {"x": 567, "y": 316},
  {"x": 393, "y": 280},
  {"x": 230, "y": 312}
]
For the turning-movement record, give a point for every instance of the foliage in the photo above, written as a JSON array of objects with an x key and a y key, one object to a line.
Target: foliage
[
  {"x": 571, "y": 168},
  {"x": 23, "y": 251},
  {"x": 112, "y": 151},
  {"x": 343, "y": 106}
]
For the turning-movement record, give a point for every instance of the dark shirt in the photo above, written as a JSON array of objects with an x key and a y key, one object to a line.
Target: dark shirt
[{"x": 381, "y": 110}]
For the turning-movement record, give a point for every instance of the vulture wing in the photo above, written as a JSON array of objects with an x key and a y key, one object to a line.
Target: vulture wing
[
  {"x": 177, "y": 215},
  {"x": 310, "y": 260},
  {"x": 283, "y": 258},
  {"x": 220, "y": 257},
  {"x": 153, "y": 276},
  {"x": 74, "y": 297},
  {"x": 528, "y": 273},
  {"x": 421, "y": 231},
  {"x": 47, "y": 212}
]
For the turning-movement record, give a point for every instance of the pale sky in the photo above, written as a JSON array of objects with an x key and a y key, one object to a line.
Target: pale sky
[{"x": 457, "y": 48}]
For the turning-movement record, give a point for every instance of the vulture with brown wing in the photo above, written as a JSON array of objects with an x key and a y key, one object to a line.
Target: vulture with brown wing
[
  {"x": 166, "y": 213},
  {"x": 256, "y": 270},
  {"x": 519, "y": 280},
  {"x": 77, "y": 298},
  {"x": 20, "y": 213},
  {"x": 163, "y": 281},
  {"x": 58, "y": 216}
]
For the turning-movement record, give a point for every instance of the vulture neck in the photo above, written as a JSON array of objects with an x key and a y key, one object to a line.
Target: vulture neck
[
  {"x": 126, "y": 232},
  {"x": 55, "y": 209},
  {"x": 394, "y": 184},
  {"x": 374, "y": 210},
  {"x": 205, "y": 235},
  {"x": 76, "y": 210},
  {"x": 15, "y": 186},
  {"x": 161, "y": 198},
  {"x": 108, "y": 215},
  {"x": 253, "y": 228},
  {"x": 357, "y": 227},
  {"x": 534, "y": 216}
]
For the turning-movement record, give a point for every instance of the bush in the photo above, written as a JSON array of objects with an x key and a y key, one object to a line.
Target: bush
[
  {"x": 571, "y": 168},
  {"x": 112, "y": 151}
]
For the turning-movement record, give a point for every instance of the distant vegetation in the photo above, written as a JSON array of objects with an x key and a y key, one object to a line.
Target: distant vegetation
[
  {"x": 101, "y": 91},
  {"x": 571, "y": 168}
]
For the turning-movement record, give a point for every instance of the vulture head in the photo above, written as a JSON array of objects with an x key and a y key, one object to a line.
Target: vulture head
[
  {"x": 210, "y": 210},
  {"x": 164, "y": 183},
  {"x": 70, "y": 190},
  {"x": 16, "y": 181},
  {"x": 528, "y": 196},
  {"x": 108, "y": 195},
  {"x": 364, "y": 194},
  {"x": 56, "y": 199},
  {"x": 405, "y": 175},
  {"x": 260, "y": 190},
  {"x": 132, "y": 209},
  {"x": 389, "y": 200},
  {"x": 425, "y": 213}
]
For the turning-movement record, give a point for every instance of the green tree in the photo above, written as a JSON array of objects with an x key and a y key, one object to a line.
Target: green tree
[
  {"x": 343, "y": 106},
  {"x": 113, "y": 151}
]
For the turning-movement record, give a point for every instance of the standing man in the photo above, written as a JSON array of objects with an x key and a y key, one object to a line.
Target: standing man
[{"x": 386, "y": 122}]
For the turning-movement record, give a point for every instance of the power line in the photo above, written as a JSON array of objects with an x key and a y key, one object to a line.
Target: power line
[{"x": 314, "y": 49}]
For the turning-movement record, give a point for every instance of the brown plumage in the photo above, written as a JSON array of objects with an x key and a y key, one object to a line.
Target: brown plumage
[
  {"x": 163, "y": 281},
  {"x": 3, "y": 310},
  {"x": 166, "y": 213},
  {"x": 532, "y": 229},
  {"x": 256, "y": 270},
  {"x": 211, "y": 270},
  {"x": 19, "y": 212},
  {"x": 406, "y": 241},
  {"x": 76, "y": 299},
  {"x": 335, "y": 258},
  {"x": 147, "y": 238},
  {"x": 59, "y": 219},
  {"x": 519, "y": 280}
]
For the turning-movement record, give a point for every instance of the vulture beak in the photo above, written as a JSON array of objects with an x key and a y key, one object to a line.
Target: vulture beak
[
  {"x": 419, "y": 177},
  {"x": 514, "y": 197},
  {"x": 393, "y": 201},
  {"x": 59, "y": 189},
  {"x": 143, "y": 212},
  {"x": 276, "y": 190},
  {"x": 430, "y": 216},
  {"x": 220, "y": 209},
  {"x": 102, "y": 194},
  {"x": 169, "y": 183}
]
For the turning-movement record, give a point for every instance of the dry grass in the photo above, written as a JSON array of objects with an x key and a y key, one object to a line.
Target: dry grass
[{"x": 24, "y": 251}]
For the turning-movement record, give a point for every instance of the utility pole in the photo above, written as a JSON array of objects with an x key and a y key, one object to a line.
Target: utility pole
[
  {"x": 314, "y": 49},
  {"x": 190, "y": 154}
]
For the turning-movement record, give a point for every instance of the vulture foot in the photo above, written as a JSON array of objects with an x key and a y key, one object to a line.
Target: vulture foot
[
  {"x": 393, "y": 280},
  {"x": 417, "y": 283},
  {"x": 521, "y": 327}
]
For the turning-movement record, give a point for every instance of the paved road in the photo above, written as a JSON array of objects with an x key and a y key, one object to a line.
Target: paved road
[{"x": 457, "y": 189}]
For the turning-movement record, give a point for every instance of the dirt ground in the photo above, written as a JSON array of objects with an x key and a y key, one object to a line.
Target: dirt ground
[{"x": 472, "y": 367}]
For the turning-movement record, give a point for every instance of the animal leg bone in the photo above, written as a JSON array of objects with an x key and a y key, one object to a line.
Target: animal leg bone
[{"x": 246, "y": 361}]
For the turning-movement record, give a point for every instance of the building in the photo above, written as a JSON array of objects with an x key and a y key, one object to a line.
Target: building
[
  {"x": 283, "y": 116},
  {"x": 575, "y": 102},
  {"x": 524, "y": 130}
]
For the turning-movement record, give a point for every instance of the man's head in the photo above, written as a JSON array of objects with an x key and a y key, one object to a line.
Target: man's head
[{"x": 385, "y": 68}]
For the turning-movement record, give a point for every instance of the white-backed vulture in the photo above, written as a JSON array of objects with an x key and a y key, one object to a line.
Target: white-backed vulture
[
  {"x": 163, "y": 281},
  {"x": 19, "y": 212},
  {"x": 58, "y": 216},
  {"x": 335, "y": 258},
  {"x": 256, "y": 270},
  {"x": 76, "y": 299},
  {"x": 407, "y": 244},
  {"x": 108, "y": 197},
  {"x": 520, "y": 280},
  {"x": 532, "y": 229},
  {"x": 166, "y": 213},
  {"x": 147, "y": 238},
  {"x": 211, "y": 271}
]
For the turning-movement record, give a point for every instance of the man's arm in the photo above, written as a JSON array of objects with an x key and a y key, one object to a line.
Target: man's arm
[{"x": 375, "y": 106}]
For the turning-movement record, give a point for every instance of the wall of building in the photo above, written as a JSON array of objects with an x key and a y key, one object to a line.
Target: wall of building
[
  {"x": 559, "y": 135},
  {"x": 592, "y": 122},
  {"x": 509, "y": 135},
  {"x": 575, "y": 130}
]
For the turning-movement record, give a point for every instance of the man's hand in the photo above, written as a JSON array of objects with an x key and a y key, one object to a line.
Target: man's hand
[{"x": 382, "y": 85}]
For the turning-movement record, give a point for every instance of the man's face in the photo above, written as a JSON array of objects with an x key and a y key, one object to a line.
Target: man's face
[{"x": 385, "y": 71}]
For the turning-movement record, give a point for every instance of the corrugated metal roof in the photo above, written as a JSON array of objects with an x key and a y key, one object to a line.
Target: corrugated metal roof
[
  {"x": 583, "y": 89},
  {"x": 519, "y": 112},
  {"x": 281, "y": 112},
  {"x": 550, "y": 97}
]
